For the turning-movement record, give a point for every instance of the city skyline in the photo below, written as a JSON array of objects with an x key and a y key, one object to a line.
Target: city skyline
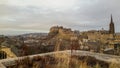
[{"x": 27, "y": 16}]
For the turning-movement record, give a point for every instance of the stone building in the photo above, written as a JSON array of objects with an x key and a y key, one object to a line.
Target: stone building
[
  {"x": 107, "y": 38},
  {"x": 102, "y": 35}
]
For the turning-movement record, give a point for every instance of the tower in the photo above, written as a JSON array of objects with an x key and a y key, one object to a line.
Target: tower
[{"x": 111, "y": 26}]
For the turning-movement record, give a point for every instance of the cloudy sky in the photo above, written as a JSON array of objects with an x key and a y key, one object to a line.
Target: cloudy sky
[{"x": 24, "y": 16}]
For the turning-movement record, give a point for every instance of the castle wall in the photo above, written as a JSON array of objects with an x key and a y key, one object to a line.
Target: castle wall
[{"x": 65, "y": 34}]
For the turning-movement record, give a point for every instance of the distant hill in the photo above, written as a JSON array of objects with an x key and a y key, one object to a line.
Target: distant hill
[{"x": 34, "y": 34}]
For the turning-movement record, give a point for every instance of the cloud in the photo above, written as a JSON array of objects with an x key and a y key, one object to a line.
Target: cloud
[{"x": 40, "y": 15}]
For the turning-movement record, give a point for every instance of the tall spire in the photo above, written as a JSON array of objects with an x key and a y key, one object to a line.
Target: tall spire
[
  {"x": 111, "y": 19},
  {"x": 111, "y": 26}
]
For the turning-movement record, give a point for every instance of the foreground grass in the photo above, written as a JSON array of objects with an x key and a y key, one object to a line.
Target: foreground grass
[{"x": 62, "y": 61}]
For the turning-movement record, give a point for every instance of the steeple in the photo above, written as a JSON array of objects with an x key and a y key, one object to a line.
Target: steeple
[
  {"x": 111, "y": 26},
  {"x": 111, "y": 19}
]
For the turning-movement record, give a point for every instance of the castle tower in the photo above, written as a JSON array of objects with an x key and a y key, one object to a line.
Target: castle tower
[{"x": 111, "y": 26}]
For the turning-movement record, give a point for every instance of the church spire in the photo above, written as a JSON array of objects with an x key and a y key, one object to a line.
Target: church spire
[
  {"x": 111, "y": 26},
  {"x": 111, "y": 19}
]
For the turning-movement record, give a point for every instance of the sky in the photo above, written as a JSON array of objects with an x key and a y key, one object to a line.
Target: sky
[{"x": 29, "y": 16}]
